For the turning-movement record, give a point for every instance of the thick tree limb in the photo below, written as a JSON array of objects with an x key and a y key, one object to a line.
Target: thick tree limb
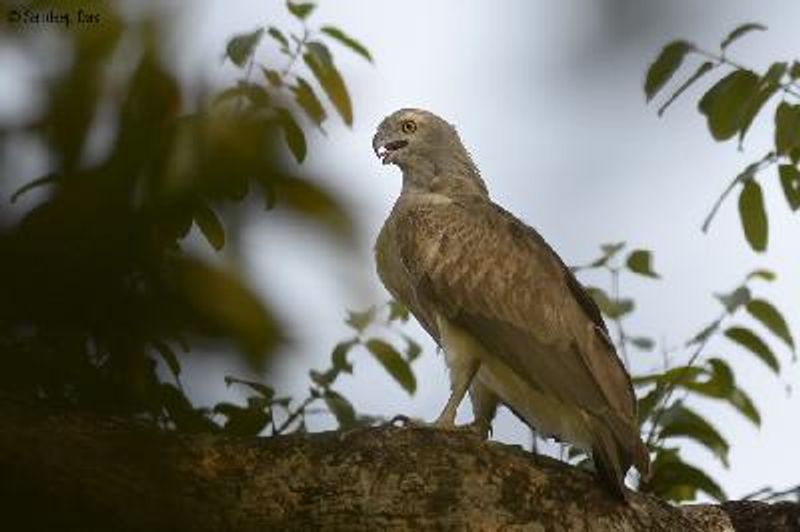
[{"x": 67, "y": 471}]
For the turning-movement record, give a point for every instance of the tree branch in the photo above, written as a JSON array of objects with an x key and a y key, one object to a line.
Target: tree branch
[{"x": 70, "y": 471}]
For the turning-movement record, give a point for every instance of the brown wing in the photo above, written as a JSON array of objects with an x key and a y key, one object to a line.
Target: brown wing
[{"x": 490, "y": 273}]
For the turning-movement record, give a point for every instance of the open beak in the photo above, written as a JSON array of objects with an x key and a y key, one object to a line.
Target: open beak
[{"x": 384, "y": 149}]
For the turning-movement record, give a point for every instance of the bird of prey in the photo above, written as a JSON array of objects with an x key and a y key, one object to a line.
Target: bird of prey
[{"x": 515, "y": 325}]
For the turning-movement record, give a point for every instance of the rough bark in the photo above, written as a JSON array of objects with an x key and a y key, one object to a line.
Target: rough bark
[{"x": 70, "y": 471}]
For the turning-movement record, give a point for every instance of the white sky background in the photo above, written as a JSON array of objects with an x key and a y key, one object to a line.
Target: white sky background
[{"x": 547, "y": 97}]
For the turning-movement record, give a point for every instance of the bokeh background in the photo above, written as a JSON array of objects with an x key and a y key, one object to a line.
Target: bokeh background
[{"x": 548, "y": 98}]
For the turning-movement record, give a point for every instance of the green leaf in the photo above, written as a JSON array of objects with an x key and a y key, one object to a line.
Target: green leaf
[
  {"x": 314, "y": 203},
  {"x": 701, "y": 71},
  {"x": 794, "y": 70},
  {"x": 640, "y": 261},
  {"x": 276, "y": 34},
  {"x": 393, "y": 363},
  {"x": 675, "y": 480},
  {"x": 348, "y": 41},
  {"x": 725, "y": 104},
  {"x": 361, "y": 320},
  {"x": 209, "y": 225},
  {"x": 611, "y": 308},
  {"x": 749, "y": 340},
  {"x": 339, "y": 355},
  {"x": 300, "y": 10},
  {"x": 771, "y": 318},
  {"x": 787, "y": 127},
  {"x": 262, "y": 389},
  {"x": 255, "y": 94},
  {"x": 397, "y": 311},
  {"x": 333, "y": 85},
  {"x": 295, "y": 138},
  {"x": 735, "y": 299},
  {"x": 241, "y": 47},
  {"x": 765, "y": 275},
  {"x": 768, "y": 85},
  {"x": 665, "y": 65},
  {"x": 274, "y": 77},
  {"x": 742, "y": 402},
  {"x": 739, "y": 32},
  {"x": 679, "y": 421},
  {"x": 704, "y": 334},
  {"x": 413, "y": 349},
  {"x": 672, "y": 377},
  {"x": 320, "y": 51},
  {"x": 646, "y": 404},
  {"x": 790, "y": 182},
  {"x": 307, "y": 99},
  {"x": 169, "y": 356},
  {"x": 341, "y": 408},
  {"x": 753, "y": 215}
]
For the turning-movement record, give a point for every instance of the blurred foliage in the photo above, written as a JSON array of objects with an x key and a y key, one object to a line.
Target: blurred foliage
[{"x": 103, "y": 295}]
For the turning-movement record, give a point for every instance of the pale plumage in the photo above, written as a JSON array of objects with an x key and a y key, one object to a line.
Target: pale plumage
[{"x": 516, "y": 326}]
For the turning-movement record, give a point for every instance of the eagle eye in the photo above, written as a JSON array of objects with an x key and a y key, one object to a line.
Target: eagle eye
[{"x": 409, "y": 126}]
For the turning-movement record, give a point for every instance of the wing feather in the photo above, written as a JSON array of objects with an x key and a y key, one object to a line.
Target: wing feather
[{"x": 487, "y": 271}]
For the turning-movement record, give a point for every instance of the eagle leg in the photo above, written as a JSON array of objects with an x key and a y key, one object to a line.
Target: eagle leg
[{"x": 461, "y": 378}]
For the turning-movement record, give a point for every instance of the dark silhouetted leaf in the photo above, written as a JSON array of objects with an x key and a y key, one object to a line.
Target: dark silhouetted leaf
[
  {"x": 749, "y": 340},
  {"x": 741, "y": 31},
  {"x": 169, "y": 356},
  {"x": 240, "y": 47},
  {"x": 44, "y": 180},
  {"x": 341, "y": 408},
  {"x": 771, "y": 318},
  {"x": 333, "y": 85},
  {"x": 209, "y": 225},
  {"x": 678, "y": 481},
  {"x": 348, "y": 41},
  {"x": 704, "y": 334},
  {"x": 640, "y": 261},
  {"x": 665, "y": 65},
  {"x": 300, "y": 10},
  {"x": 790, "y": 182},
  {"x": 360, "y": 320},
  {"x": 262, "y": 389},
  {"x": 611, "y": 308},
  {"x": 307, "y": 99},
  {"x": 276, "y": 34},
  {"x": 753, "y": 215},
  {"x": 735, "y": 299},
  {"x": 226, "y": 306},
  {"x": 725, "y": 104},
  {"x": 643, "y": 343},
  {"x": 339, "y": 355},
  {"x": 185, "y": 417},
  {"x": 393, "y": 363},
  {"x": 242, "y": 421},
  {"x": 701, "y": 71},
  {"x": 679, "y": 421},
  {"x": 295, "y": 138},
  {"x": 787, "y": 127}
]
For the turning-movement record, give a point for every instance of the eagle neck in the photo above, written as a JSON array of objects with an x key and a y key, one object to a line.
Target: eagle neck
[{"x": 448, "y": 176}]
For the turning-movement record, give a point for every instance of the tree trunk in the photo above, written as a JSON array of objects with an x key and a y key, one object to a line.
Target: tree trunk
[{"x": 74, "y": 471}]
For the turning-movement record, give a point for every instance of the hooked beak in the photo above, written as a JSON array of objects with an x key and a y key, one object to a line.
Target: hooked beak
[{"x": 384, "y": 149}]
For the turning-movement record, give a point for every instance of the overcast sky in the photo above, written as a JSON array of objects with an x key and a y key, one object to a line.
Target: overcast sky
[{"x": 547, "y": 97}]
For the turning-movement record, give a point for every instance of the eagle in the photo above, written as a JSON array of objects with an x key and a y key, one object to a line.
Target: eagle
[{"x": 515, "y": 325}]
